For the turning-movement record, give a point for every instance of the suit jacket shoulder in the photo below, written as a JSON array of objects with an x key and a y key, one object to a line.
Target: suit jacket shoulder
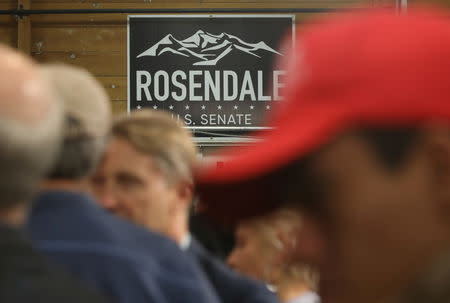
[{"x": 230, "y": 286}]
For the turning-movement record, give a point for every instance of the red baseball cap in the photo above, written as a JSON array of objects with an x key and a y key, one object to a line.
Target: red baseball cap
[{"x": 371, "y": 68}]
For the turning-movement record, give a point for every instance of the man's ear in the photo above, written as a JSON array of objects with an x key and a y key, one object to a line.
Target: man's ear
[
  {"x": 185, "y": 192},
  {"x": 309, "y": 242},
  {"x": 438, "y": 147},
  {"x": 283, "y": 243},
  {"x": 304, "y": 243}
]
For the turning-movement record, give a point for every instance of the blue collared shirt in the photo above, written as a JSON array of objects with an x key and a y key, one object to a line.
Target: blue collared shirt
[{"x": 308, "y": 297}]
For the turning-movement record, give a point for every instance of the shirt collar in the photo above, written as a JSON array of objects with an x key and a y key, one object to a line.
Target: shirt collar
[{"x": 186, "y": 242}]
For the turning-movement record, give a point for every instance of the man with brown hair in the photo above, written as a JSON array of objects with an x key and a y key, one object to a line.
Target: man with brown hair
[
  {"x": 146, "y": 173},
  {"x": 146, "y": 177}
]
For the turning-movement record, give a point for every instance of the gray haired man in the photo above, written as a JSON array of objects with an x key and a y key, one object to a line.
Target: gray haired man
[{"x": 125, "y": 262}]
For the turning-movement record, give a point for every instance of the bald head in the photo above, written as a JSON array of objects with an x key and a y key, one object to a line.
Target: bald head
[
  {"x": 30, "y": 127},
  {"x": 24, "y": 97}
]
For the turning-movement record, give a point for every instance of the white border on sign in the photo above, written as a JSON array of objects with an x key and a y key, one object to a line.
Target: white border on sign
[{"x": 290, "y": 16}]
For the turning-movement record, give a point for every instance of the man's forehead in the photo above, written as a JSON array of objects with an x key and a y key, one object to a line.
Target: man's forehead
[
  {"x": 122, "y": 155},
  {"x": 120, "y": 147}
]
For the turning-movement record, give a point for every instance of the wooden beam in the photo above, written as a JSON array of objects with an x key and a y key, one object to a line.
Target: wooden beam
[{"x": 24, "y": 28}]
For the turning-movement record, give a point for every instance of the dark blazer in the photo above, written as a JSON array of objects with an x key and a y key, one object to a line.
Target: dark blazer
[
  {"x": 230, "y": 286},
  {"x": 216, "y": 239},
  {"x": 125, "y": 262},
  {"x": 26, "y": 277}
]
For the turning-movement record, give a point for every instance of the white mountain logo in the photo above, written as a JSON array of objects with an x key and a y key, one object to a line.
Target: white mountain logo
[{"x": 208, "y": 48}]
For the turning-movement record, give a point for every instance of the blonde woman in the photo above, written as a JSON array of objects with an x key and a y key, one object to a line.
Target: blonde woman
[{"x": 264, "y": 247}]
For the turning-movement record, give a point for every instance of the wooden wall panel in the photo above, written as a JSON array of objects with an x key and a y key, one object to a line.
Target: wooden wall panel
[
  {"x": 75, "y": 38},
  {"x": 79, "y": 19},
  {"x": 8, "y": 24},
  {"x": 100, "y": 63},
  {"x": 8, "y": 4},
  {"x": 205, "y": 4},
  {"x": 119, "y": 107},
  {"x": 123, "y": 2},
  {"x": 102, "y": 19},
  {"x": 24, "y": 28},
  {"x": 116, "y": 86},
  {"x": 8, "y": 34}
]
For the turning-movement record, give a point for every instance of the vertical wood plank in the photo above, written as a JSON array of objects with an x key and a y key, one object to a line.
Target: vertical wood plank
[{"x": 24, "y": 28}]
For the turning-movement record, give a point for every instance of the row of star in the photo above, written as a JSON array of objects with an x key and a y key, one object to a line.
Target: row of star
[{"x": 203, "y": 107}]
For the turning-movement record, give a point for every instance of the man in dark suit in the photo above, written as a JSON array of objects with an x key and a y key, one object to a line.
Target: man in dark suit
[
  {"x": 30, "y": 124},
  {"x": 125, "y": 262},
  {"x": 146, "y": 177},
  {"x": 217, "y": 239}
]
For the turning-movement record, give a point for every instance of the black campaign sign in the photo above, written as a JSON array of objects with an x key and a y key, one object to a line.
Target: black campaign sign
[{"x": 209, "y": 71}]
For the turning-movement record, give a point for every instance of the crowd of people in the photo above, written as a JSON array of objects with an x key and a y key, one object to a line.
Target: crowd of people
[{"x": 346, "y": 200}]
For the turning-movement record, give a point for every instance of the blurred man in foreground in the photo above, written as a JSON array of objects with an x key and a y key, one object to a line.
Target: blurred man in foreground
[
  {"x": 30, "y": 132},
  {"x": 146, "y": 177},
  {"x": 363, "y": 146},
  {"x": 125, "y": 262}
]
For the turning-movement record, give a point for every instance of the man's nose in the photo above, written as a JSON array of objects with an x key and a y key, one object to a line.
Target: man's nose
[
  {"x": 107, "y": 197},
  {"x": 108, "y": 201},
  {"x": 231, "y": 260}
]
